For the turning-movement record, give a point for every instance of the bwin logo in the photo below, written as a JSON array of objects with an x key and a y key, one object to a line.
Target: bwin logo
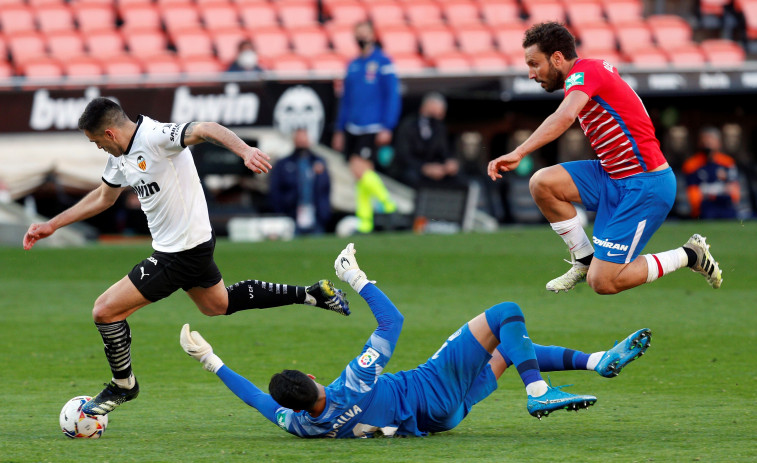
[{"x": 145, "y": 190}]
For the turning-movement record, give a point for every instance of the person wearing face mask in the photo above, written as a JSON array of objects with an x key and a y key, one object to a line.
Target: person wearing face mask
[
  {"x": 712, "y": 180},
  {"x": 422, "y": 153},
  {"x": 247, "y": 59},
  {"x": 368, "y": 112}
]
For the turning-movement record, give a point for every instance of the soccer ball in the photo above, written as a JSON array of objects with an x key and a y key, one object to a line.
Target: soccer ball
[{"x": 76, "y": 424}]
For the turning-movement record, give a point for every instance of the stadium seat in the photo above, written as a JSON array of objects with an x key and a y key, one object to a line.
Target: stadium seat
[
  {"x": 146, "y": 43},
  {"x": 509, "y": 38},
  {"x": 65, "y": 44},
  {"x": 491, "y": 61},
  {"x": 15, "y": 19},
  {"x": 348, "y": 12},
  {"x": 651, "y": 57},
  {"x": 248, "y": 2},
  {"x": 219, "y": 16},
  {"x": 385, "y": 13},
  {"x": 122, "y": 66},
  {"x": 270, "y": 42},
  {"x": 749, "y": 9},
  {"x": 140, "y": 17},
  {"x": 409, "y": 63},
  {"x": 297, "y": 14},
  {"x": 722, "y": 52},
  {"x": 82, "y": 67},
  {"x": 289, "y": 63},
  {"x": 53, "y": 18},
  {"x": 180, "y": 17},
  {"x": 201, "y": 65},
  {"x": 622, "y": 11},
  {"x": 171, "y": 3},
  {"x": 687, "y": 55},
  {"x": 342, "y": 38},
  {"x": 610, "y": 55},
  {"x": 500, "y": 12},
  {"x": 309, "y": 41},
  {"x": 104, "y": 43},
  {"x": 669, "y": 31},
  {"x": 131, "y": 3},
  {"x": 331, "y": 63},
  {"x": 25, "y": 46},
  {"x": 423, "y": 13},
  {"x": 6, "y": 70},
  {"x": 435, "y": 41},
  {"x": 398, "y": 40},
  {"x": 452, "y": 62},
  {"x": 461, "y": 13},
  {"x": 226, "y": 43},
  {"x": 633, "y": 35},
  {"x": 584, "y": 11},
  {"x": 92, "y": 18},
  {"x": 42, "y": 68},
  {"x": 258, "y": 15},
  {"x": 192, "y": 42},
  {"x": 474, "y": 39},
  {"x": 595, "y": 36},
  {"x": 713, "y": 7},
  {"x": 544, "y": 10},
  {"x": 162, "y": 65},
  {"x": 7, "y": 3}
]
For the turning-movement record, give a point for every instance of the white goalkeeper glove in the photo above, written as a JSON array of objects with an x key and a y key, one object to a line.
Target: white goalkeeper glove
[
  {"x": 197, "y": 347},
  {"x": 348, "y": 271}
]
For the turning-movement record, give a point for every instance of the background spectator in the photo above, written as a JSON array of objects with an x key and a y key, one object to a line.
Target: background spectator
[
  {"x": 712, "y": 179},
  {"x": 246, "y": 60},
  {"x": 300, "y": 187}
]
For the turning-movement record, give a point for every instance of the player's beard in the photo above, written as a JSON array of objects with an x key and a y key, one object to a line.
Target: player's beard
[{"x": 555, "y": 79}]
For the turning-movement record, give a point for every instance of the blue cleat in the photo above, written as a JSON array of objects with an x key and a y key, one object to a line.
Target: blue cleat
[
  {"x": 327, "y": 297},
  {"x": 624, "y": 353},
  {"x": 556, "y": 399}
]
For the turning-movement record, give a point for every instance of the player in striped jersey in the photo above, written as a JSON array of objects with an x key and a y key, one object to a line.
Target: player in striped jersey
[{"x": 630, "y": 187}]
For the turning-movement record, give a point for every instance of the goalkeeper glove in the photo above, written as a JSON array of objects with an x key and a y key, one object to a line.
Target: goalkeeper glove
[
  {"x": 348, "y": 271},
  {"x": 198, "y": 348}
]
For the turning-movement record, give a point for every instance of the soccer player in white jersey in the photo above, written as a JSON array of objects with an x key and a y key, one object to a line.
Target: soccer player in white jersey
[
  {"x": 436, "y": 396},
  {"x": 153, "y": 159},
  {"x": 631, "y": 187}
]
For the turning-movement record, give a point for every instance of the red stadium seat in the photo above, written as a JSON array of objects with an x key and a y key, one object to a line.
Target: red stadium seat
[
  {"x": 544, "y": 10},
  {"x": 398, "y": 40},
  {"x": 7, "y": 3},
  {"x": 474, "y": 39},
  {"x": 409, "y": 63},
  {"x": 146, "y": 43},
  {"x": 651, "y": 57},
  {"x": 632, "y": 36},
  {"x": 270, "y": 42},
  {"x": 171, "y": 3},
  {"x": 255, "y": 16},
  {"x": 749, "y": 9},
  {"x": 688, "y": 55},
  {"x": 331, "y": 63},
  {"x": 82, "y": 67},
  {"x": 131, "y": 3},
  {"x": 723, "y": 52},
  {"x": 201, "y": 65},
  {"x": 53, "y": 18},
  {"x": 226, "y": 43},
  {"x": 342, "y": 38},
  {"x": 309, "y": 41},
  {"x": 193, "y": 42},
  {"x": 584, "y": 11},
  {"x": 492, "y": 61},
  {"x": 622, "y": 11},
  {"x": 92, "y": 18},
  {"x": 6, "y": 70},
  {"x": 500, "y": 12},
  {"x": 461, "y": 13},
  {"x": 219, "y": 16},
  {"x": 65, "y": 44},
  {"x": 297, "y": 14},
  {"x": 435, "y": 41},
  {"x": 610, "y": 55},
  {"x": 122, "y": 66},
  {"x": 162, "y": 65},
  {"x": 15, "y": 19},
  {"x": 713, "y": 7},
  {"x": 42, "y": 68},
  {"x": 180, "y": 17},
  {"x": 104, "y": 43},
  {"x": 348, "y": 12},
  {"x": 25, "y": 46},
  {"x": 669, "y": 31},
  {"x": 595, "y": 36},
  {"x": 509, "y": 38},
  {"x": 423, "y": 13},
  {"x": 386, "y": 13},
  {"x": 289, "y": 63},
  {"x": 140, "y": 17},
  {"x": 452, "y": 62}
]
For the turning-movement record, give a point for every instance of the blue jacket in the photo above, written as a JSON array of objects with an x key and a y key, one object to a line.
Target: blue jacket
[
  {"x": 285, "y": 187},
  {"x": 371, "y": 100}
]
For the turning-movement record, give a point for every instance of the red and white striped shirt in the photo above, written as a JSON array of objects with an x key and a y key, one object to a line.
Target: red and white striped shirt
[{"x": 615, "y": 120}]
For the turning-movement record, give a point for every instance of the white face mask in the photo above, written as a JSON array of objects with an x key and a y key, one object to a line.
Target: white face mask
[{"x": 247, "y": 59}]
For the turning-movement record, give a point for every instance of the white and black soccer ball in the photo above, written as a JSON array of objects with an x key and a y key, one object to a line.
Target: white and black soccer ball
[{"x": 78, "y": 425}]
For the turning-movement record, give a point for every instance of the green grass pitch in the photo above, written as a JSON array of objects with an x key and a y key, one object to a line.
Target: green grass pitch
[{"x": 691, "y": 398}]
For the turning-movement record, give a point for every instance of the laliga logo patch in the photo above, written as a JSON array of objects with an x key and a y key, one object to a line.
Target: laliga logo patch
[
  {"x": 368, "y": 358},
  {"x": 142, "y": 163}
]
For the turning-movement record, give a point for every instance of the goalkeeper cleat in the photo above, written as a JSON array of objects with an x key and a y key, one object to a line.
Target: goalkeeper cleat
[
  {"x": 110, "y": 398},
  {"x": 705, "y": 264},
  {"x": 569, "y": 279},
  {"x": 328, "y": 297},
  {"x": 556, "y": 399},
  {"x": 624, "y": 353}
]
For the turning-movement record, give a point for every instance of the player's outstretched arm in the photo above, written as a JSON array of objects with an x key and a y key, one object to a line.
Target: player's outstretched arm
[
  {"x": 199, "y": 132},
  {"x": 92, "y": 204}
]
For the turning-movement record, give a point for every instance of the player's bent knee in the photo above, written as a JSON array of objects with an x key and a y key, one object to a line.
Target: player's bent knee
[
  {"x": 602, "y": 285},
  {"x": 502, "y": 313}
]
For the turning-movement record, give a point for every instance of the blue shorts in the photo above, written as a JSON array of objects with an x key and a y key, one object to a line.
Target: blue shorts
[
  {"x": 629, "y": 210},
  {"x": 454, "y": 379}
]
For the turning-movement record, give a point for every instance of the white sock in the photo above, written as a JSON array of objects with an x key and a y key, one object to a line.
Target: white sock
[
  {"x": 663, "y": 263},
  {"x": 537, "y": 388},
  {"x": 211, "y": 362},
  {"x": 594, "y": 360},
  {"x": 574, "y": 236},
  {"x": 125, "y": 383}
]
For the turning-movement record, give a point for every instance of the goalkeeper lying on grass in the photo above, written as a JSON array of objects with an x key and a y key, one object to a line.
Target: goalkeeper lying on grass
[{"x": 433, "y": 397}]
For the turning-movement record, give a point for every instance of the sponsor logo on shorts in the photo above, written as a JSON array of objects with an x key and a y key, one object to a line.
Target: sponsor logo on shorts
[
  {"x": 610, "y": 245},
  {"x": 368, "y": 358}
]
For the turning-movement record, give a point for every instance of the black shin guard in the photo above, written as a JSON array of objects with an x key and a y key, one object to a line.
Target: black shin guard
[
  {"x": 117, "y": 339},
  {"x": 256, "y": 294}
]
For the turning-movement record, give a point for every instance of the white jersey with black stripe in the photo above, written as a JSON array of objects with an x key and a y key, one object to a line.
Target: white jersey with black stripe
[{"x": 161, "y": 171}]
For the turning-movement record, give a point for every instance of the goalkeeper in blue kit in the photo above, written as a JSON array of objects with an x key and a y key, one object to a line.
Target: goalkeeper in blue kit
[{"x": 435, "y": 396}]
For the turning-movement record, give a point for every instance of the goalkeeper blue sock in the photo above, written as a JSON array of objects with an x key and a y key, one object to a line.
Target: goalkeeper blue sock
[
  {"x": 555, "y": 358},
  {"x": 509, "y": 326}
]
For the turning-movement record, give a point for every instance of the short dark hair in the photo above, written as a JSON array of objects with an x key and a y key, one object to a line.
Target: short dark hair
[
  {"x": 551, "y": 37},
  {"x": 101, "y": 113},
  {"x": 293, "y": 389}
]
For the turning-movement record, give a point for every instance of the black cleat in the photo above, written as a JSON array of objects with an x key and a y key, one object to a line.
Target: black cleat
[
  {"x": 328, "y": 297},
  {"x": 110, "y": 398}
]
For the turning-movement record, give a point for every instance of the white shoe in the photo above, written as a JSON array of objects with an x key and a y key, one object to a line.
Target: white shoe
[
  {"x": 347, "y": 269},
  {"x": 569, "y": 279},
  {"x": 705, "y": 264}
]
